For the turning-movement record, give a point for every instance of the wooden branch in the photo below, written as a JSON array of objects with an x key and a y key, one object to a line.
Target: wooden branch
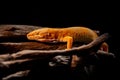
[
  {"x": 8, "y": 67},
  {"x": 48, "y": 53},
  {"x": 18, "y": 62},
  {"x": 15, "y": 32},
  {"x": 43, "y": 53},
  {"x": 26, "y": 57},
  {"x": 14, "y": 62},
  {"x": 20, "y": 74},
  {"x": 4, "y": 57},
  {"x": 18, "y": 54},
  {"x": 12, "y": 47},
  {"x": 102, "y": 53}
]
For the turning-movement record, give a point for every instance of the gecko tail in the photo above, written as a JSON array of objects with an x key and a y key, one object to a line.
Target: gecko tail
[{"x": 104, "y": 47}]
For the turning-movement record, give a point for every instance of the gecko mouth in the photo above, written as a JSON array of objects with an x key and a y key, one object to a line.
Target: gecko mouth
[{"x": 31, "y": 37}]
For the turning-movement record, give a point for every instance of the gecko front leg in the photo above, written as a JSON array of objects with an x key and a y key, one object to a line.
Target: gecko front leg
[
  {"x": 74, "y": 58},
  {"x": 69, "y": 41}
]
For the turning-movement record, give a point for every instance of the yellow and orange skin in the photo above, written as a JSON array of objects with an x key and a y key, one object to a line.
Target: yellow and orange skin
[{"x": 69, "y": 35}]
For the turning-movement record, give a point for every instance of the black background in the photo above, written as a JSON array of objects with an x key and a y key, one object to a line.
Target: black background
[{"x": 102, "y": 20}]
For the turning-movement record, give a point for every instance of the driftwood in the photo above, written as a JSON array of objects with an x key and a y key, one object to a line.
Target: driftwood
[
  {"x": 26, "y": 57},
  {"x": 18, "y": 54},
  {"x": 41, "y": 53},
  {"x": 13, "y": 47},
  {"x": 21, "y": 74},
  {"x": 8, "y": 67},
  {"x": 15, "y": 32}
]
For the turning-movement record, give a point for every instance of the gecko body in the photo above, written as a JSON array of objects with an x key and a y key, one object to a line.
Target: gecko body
[{"x": 69, "y": 35}]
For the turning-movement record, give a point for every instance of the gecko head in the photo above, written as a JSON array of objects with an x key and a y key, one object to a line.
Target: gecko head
[{"x": 43, "y": 35}]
